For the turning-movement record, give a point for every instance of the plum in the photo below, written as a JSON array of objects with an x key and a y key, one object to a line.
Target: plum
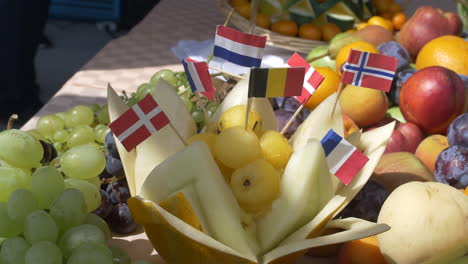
[
  {"x": 457, "y": 132},
  {"x": 394, "y": 49},
  {"x": 283, "y": 116},
  {"x": 452, "y": 167},
  {"x": 398, "y": 82}
]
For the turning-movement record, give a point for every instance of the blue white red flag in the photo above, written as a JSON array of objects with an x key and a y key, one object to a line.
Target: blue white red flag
[
  {"x": 238, "y": 47},
  {"x": 344, "y": 160},
  {"x": 139, "y": 122},
  {"x": 312, "y": 79},
  {"x": 369, "y": 70},
  {"x": 198, "y": 77}
]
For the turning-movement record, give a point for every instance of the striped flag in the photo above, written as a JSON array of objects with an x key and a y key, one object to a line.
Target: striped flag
[
  {"x": 343, "y": 159},
  {"x": 139, "y": 122},
  {"x": 198, "y": 77},
  {"x": 369, "y": 70},
  {"x": 239, "y": 48},
  {"x": 276, "y": 82},
  {"x": 312, "y": 79}
]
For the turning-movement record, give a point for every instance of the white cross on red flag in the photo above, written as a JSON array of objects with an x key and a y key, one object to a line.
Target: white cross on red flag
[{"x": 139, "y": 122}]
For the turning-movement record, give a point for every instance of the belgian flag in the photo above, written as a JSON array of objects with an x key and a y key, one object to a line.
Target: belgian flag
[{"x": 276, "y": 82}]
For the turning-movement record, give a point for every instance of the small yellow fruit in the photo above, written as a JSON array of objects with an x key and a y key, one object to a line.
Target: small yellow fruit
[
  {"x": 235, "y": 116},
  {"x": 208, "y": 138},
  {"x": 275, "y": 148},
  {"x": 235, "y": 147}
]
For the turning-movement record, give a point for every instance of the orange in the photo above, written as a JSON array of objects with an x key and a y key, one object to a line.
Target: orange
[
  {"x": 361, "y": 251},
  {"x": 342, "y": 55},
  {"x": 329, "y": 30},
  {"x": 243, "y": 10},
  {"x": 447, "y": 51},
  {"x": 263, "y": 20},
  {"x": 239, "y": 2},
  {"x": 387, "y": 15},
  {"x": 382, "y": 6},
  {"x": 285, "y": 27},
  {"x": 394, "y": 8},
  {"x": 327, "y": 87},
  {"x": 351, "y": 30},
  {"x": 466, "y": 190},
  {"x": 398, "y": 20},
  {"x": 380, "y": 21},
  {"x": 309, "y": 31},
  {"x": 362, "y": 25}
]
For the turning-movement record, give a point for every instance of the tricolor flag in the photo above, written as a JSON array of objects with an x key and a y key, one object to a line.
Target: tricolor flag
[
  {"x": 343, "y": 159},
  {"x": 198, "y": 77},
  {"x": 139, "y": 122},
  {"x": 312, "y": 78},
  {"x": 276, "y": 82},
  {"x": 369, "y": 70},
  {"x": 239, "y": 48}
]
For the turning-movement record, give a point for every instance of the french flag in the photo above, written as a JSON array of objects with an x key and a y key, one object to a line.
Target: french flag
[
  {"x": 369, "y": 70},
  {"x": 198, "y": 77},
  {"x": 344, "y": 160},
  {"x": 239, "y": 48},
  {"x": 312, "y": 79}
]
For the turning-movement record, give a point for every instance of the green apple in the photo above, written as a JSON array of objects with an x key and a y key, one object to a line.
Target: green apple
[
  {"x": 395, "y": 113},
  {"x": 322, "y": 62}
]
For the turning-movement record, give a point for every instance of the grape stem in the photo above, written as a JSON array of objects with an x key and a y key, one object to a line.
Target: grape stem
[
  {"x": 11, "y": 121},
  {"x": 112, "y": 179}
]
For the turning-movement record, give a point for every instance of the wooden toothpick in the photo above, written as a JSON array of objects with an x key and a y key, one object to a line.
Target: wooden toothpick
[
  {"x": 340, "y": 89},
  {"x": 291, "y": 120},
  {"x": 228, "y": 73},
  {"x": 249, "y": 106}
]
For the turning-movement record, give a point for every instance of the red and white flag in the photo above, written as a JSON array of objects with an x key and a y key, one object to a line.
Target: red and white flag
[
  {"x": 344, "y": 160},
  {"x": 198, "y": 77},
  {"x": 312, "y": 79},
  {"x": 369, "y": 70},
  {"x": 139, "y": 122}
]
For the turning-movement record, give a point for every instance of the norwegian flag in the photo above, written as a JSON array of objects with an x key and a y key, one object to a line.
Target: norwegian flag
[
  {"x": 343, "y": 159},
  {"x": 369, "y": 70},
  {"x": 198, "y": 77},
  {"x": 312, "y": 79},
  {"x": 139, "y": 122}
]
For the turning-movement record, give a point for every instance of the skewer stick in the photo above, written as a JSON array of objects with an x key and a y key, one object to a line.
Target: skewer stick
[
  {"x": 253, "y": 15},
  {"x": 11, "y": 121},
  {"x": 340, "y": 89},
  {"x": 291, "y": 120},
  {"x": 202, "y": 106},
  {"x": 318, "y": 57},
  {"x": 178, "y": 134},
  {"x": 228, "y": 73},
  {"x": 249, "y": 106}
]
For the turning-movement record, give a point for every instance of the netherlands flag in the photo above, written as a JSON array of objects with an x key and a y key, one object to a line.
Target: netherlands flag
[
  {"x": 198, "y": 77},
  {"x": 344, "y": 160},
  {"x": 369, "y": 70},
  {"x": 312, "y": 79},
  {"x": 239, "y": 48}
]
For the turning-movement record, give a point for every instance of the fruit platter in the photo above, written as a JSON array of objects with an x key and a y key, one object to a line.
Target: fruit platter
[{"x": 199, "y": 167}]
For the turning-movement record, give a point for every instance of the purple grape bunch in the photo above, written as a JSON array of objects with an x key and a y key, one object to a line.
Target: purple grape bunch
[{"x": 285, "y": 107}]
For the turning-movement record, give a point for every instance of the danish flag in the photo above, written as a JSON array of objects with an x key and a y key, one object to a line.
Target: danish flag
[
  {"x": 139, "y": 122},
  {"x": 369, "y": 70}
]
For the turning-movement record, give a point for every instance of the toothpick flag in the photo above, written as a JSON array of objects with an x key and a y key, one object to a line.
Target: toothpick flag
[
  {"x": 199, "y": 77},
  {"x": 369, "y": 70},
  {"x": 343, "y": 159},
  {"x": 139, "y": 122},
  {"x": 312, "y": 79},
  {"x": 239, "y": 48},
  {"x": 276, "y": 82}
]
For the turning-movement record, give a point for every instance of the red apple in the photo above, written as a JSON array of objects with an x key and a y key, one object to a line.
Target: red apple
[
  {"x": 432, "y": 98},
  {"x": 412, "y": 134},
  {"x": 397, "y": 143},
  {"x": 426, "y": 24}
]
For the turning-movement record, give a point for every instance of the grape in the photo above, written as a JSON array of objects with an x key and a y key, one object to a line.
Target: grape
[
  {"x": 80, "y": 235},
  {"x": 103, "y": 115},
  {"x": 111, "y": 146},
  {"x": 97, "y": 221},
  {"x": 81, "y": 135},
  {"x": 20, "y": 149},
  {"x": 96, "y": 181},
  {"x": 394, "y": 49},
  {"x": 142, "y": 262},
  {"x": 452, "y": 167},
  {"x": 367, "y": 203},
  {"x": 118, "y": 192},
  {"x": 235, "y": 116},
  {"x": 144, "y": 89},
  {"x": 36, "y": 134},
  {"x": 12, "y": 179},
  {"x": 61, "y": 136},
  {"x": 43, "y": 252},
  {"x": 50, "y": 152},
  {"x": 212, "y": 107},
  {"x": 62, "y": 115},
  {"x": 120, "y": 256},
  {"x": 58, "y": 146},
  {"x": 100, "y": 133},
  {"x": 68, "y": 209},
  {"x": 275, "y": 148},
  {"x": 120, "y": 220},
  {"x": 235, "y": 147},
  {"x": 79, "y": 116},
  {"x": 290, "y": 104},
  {"x": 256, "y": 185},
  {"x": 92, "y": 253},
  {"x": 46, "y": 184},
  {"x": 198, "y": 116},
  {"x": 90, "y": 193},
  {"x": 13, "y": 251},
  {"x": 167, "y": 75},
  {"x": 83, "y": 162},
  {"x": 105, "y": 207},
  {"x": 8, "y": 227},
  {"x": 40, "y": 226},
  {"x": 20, "y": 204},
  {"x": 114, "y": 166},
  {"x": 188, "y": 103},
  {"x": 47, "y": 125},
  {"x": 283, "y": 116},
  {"x": 457, "y": 132}
]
